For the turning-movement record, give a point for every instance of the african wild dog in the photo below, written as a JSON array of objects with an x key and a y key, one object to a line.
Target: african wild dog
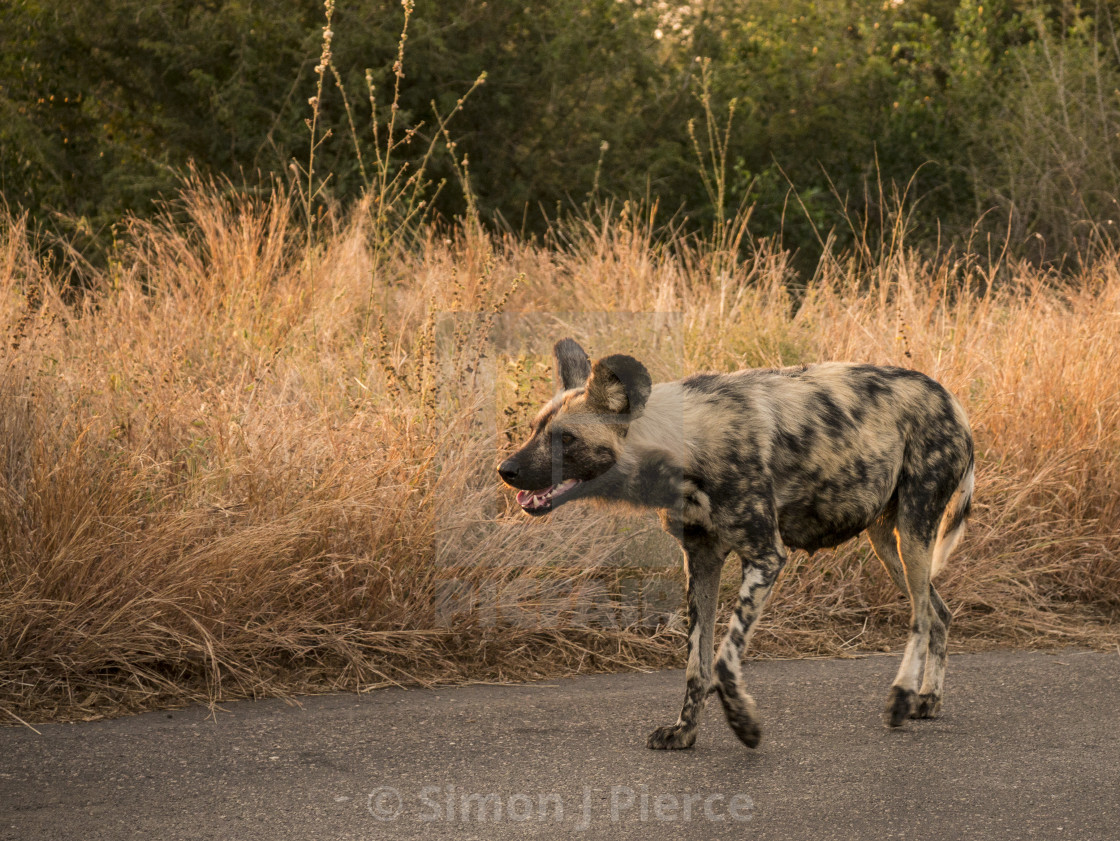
[{"x": 760, "y": 462}]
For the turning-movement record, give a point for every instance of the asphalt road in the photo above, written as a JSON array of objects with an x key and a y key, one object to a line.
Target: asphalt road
[{"x": 1028, "y": 747}]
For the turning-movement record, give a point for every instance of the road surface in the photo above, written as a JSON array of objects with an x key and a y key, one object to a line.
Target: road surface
[{"x": 1028, "y": 747}]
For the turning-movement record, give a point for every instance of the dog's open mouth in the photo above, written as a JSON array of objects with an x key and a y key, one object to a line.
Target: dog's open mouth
[{"x": 540, "y": 502}]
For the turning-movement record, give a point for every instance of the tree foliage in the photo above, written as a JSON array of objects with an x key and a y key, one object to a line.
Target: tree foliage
[{"x": 968, "y": 107}]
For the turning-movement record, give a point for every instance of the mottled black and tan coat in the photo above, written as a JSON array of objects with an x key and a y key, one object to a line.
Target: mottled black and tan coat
[{"x": 760, "y": 462}]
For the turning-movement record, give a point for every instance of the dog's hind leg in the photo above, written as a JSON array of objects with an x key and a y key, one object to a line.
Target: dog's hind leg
[
  {"x": 913, "y": 543},
  {"x": 928, "y": 628},
  {"x": 703, "y": 562},
  {"x": 916, "y": 553},
  {"x": 948, "y": 534},
  {"x": 929, "y": 696},
  {"x": 885, "y": 544}
]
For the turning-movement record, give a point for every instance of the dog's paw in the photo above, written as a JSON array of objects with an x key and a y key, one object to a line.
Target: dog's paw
[
  {"x": 672, "y": 737},
  {"x": 746, "y": 727},
  {"x": 899, "y": 704},
  {"x": 928, "y": 706},
  {"x": 742, "y": 718}
]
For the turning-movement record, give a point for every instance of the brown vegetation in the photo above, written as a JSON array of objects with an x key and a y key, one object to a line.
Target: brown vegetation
[{"x": 239, "y": 464}]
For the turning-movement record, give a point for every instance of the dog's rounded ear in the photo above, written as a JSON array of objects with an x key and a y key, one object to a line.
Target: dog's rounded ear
[
  {"x": 619, "y": 384},
  {"x": 572, "y": 363}
]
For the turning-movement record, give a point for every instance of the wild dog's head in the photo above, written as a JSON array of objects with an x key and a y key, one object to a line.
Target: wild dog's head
[{"x": 578, "y": 435}]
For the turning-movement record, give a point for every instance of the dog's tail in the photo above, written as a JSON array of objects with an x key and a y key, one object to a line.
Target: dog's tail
[{"x": 953, "y": 520}]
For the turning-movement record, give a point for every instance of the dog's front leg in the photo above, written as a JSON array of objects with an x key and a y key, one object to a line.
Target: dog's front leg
[
  {"x": 761, "y": 565},
  {"x": 703, "y": 562}
]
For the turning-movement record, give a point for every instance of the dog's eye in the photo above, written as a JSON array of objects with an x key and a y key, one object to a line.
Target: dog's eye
[{"x": 567, "y": 438}]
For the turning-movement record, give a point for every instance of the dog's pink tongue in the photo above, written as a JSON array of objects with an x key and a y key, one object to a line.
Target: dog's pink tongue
[{"x": 523, "y": 497}]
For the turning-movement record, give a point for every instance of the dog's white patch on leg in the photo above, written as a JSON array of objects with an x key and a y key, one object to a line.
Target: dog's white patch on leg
[
  {"x": 913, "y": 662},
  {"x": 751, "y": 579},
  {"x": 692, "y": 670}
]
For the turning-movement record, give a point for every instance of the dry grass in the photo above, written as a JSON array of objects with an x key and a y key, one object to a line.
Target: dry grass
[{"x": 239, "y": 465}]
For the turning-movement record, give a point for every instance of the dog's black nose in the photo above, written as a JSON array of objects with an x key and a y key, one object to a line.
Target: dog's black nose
[{"x": 508, "y": 469}]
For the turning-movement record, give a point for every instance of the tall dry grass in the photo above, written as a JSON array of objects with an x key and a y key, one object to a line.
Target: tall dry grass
[{"x": 240, "y": 463}]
